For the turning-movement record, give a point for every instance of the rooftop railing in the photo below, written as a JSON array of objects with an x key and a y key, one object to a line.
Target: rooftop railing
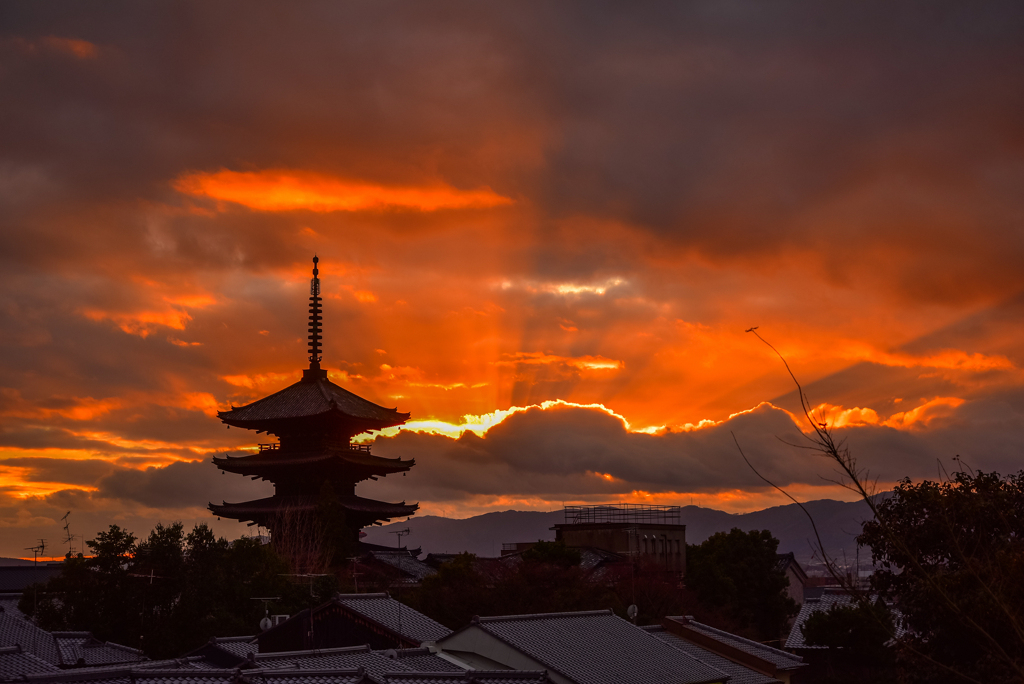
[
  {"x": 623, "y": 513},
  {"x": 270, "y": 447}
]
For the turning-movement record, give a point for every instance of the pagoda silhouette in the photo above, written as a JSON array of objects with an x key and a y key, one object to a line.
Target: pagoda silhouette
[{"x": 314, "y": 421}]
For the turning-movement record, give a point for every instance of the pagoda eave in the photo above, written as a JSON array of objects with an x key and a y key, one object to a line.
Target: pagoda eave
[
  {"x": 258, "y": 464},
  {"x": 277, "y": 425},
  {"x": 262, "y": 511}
]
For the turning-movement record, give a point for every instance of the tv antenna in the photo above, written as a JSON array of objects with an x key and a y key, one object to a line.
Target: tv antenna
[
  {"x": 355, "y": 575},
  {"x": 37, "y": 551},
  {"x": 399, "y": 534},
  {"x": 69, "y": 538},
  {"x": 266, "y": 623}
]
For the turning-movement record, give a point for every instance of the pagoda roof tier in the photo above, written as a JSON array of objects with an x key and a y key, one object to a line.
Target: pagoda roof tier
[
  {"x": 313, "y": 396},
  {"x": 271, "y": 460},
  {"x": 262, "y": 510}
]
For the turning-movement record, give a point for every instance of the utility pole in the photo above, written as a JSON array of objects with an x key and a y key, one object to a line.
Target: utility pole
[
  {"x": 355, "y": 575},
  {"x": 37, "y": 551},
  {"x": 399, "y": 534}
]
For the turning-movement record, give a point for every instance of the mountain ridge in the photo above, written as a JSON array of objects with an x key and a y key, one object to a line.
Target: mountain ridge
[{"x": 838, "y": 522}]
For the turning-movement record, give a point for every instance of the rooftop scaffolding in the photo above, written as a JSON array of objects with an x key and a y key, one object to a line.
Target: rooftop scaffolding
[{"x": 623, "y": 513}]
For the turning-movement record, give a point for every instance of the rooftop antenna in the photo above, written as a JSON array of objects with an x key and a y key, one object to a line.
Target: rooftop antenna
[
  {"x": 399, "y": 534},
  {"x": 314, "y": 318},
  {"x": 355, "y": 575},
  {"x": 69, "y": 538},
  {"x": 37, "y": 551},
  {"x": 266, "y": 623}
]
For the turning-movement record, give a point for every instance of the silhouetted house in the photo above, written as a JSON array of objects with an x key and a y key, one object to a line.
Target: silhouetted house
[
  {"x": 15, "y": 578},
  {"x": 377, "y": 664},
  {"x": 395, "y": 567},
  {"x": 593, "y": 647},
  {"x": 474, "y": 677},
  {"x": 436, "y": 560},
  {"x": 351, "y": 620},
  {"x": 598, "y": 565},
  {"x": 226, "y": 651},
  {"x": 738, "y": 674},
  {"x": 62, "y": 649},
  {"x": 315, "y": 421},
  {"x": 195, "y": 672},
  {"x": 9, "y": 604},
  {"x": 766, "y": 661},
  {"x": 637, "y": 531},
  {"x": 15, "y": 663},
  {"x": 787, "y": 563},
  {"x": 830, "y": 597}
]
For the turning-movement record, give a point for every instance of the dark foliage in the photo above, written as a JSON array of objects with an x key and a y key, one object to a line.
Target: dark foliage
[
  {"x": 546, "y": 578},
  {"x": 857, "y": 638},
  {"x": 169, "y": 593},
  {"x": 736, "y": 572},
  {"x": 950, "y": 555}
]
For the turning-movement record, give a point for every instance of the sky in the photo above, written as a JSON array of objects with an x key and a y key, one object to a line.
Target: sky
[{"x": 543, "y": 229}]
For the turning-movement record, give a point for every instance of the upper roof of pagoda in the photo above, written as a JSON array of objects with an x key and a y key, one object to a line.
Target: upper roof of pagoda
[{"x": 314, "y": 395}]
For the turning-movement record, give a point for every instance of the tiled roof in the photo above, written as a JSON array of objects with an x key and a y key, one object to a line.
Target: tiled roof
[
  {"x": 375, "y": 662},
  {"x": 272, "y": 504},
  {"x": 40, "y": 643},
  {"x": 388, "y": 612},
  {"x": 422, "y": 660},
  {"x": 831, "y": 596},
  {"x": 780, "y": 659},
  {"x": 75, "y": 647},
  {"x": 312, "y": 398},
  {"x": 354, "y": 676},
  {"x": 69, "y": 645},
  {"x": 597, "y": 647},
  {"x": 405, "y": 562},
  {"x": 184, "y": 676},
  {"x": 9, "y": 604},
  {"x": 14, "y": 662},
  {"x": 240, "y": 646},
  {"x": 473, "y": 677},
  {"x": 738, "y": 674}
]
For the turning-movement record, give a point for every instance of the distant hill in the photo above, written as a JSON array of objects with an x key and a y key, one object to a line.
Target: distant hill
[{"x": 838, "y": 523}]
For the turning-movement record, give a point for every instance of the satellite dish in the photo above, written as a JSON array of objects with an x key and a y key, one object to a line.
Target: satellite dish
[
  {"x": 391, "y": 653},
  {"x": 632, "y": 611},
  {"x": 265, "y": 624}
]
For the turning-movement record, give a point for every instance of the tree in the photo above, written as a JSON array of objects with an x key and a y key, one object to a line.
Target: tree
[
  {"x": 168, "y": 594},
  {"x": 857, "y": 637},
  {"x": 950, "y": 555},
  {"x": 737, "y": 571}
]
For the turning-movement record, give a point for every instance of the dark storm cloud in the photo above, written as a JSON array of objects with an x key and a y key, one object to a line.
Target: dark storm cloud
[
  {"x": 562, "y": 454},
  {"x": 179, "y": 485},
  {"x": 733, "y": 129}
]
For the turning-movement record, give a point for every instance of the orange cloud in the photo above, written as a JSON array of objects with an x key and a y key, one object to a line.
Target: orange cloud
[
  {"x": 923, "y": 415},
  {"x": 75, "y": 408},
  {"x": 587, "y": 363},
  {"x": 951, "y": 359},
  {"x": 291, "y": 190},
  {"x": 82, "y": 49},
  {"x": 916, "y": 418},
  {"x": 141, "y": 323}
]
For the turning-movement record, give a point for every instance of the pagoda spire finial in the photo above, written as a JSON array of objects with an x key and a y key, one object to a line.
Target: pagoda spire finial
[{"x": 314, "y": 318}]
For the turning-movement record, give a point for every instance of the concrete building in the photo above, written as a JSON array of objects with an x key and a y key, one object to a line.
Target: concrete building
[{"x": 637, "y": 531}]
